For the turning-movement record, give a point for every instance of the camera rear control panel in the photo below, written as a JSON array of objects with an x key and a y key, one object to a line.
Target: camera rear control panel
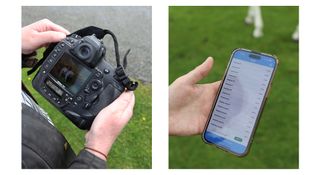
[
  {"x": 84, "y": 99},
  {"x": 91, "y": 91},
  {"x": 53, "y": 91},
  {"x": 78, "y": 89}
]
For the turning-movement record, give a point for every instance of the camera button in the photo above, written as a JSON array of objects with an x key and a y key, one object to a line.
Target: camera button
[
  {"x": 62, "y": 44},
  {"x": 71, "y": 113},
  {"x": 79, "y": 98},
  {"x": 50, "y": 60},
  {"x": 106, "y": 71},
  {"x": 87, "y": 90},
  {"x": 86, "y": 105},
  {"x": 98, "y": 74},
  {"x": 68, "y": 99},
  {"x": 82, "y": 124},
  {"x": 96, "y": 84}
]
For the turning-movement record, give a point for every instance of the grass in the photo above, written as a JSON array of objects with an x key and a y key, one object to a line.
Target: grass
[
  {"x": 198, "y": 32},
  {"x": 132, "y": 149}
]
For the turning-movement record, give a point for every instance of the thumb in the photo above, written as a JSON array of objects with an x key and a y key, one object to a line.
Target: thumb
[
  {"x": 200, "y": 71},
  {"x": 50, "y": 37},
  {"x": 124, "y": 102}
]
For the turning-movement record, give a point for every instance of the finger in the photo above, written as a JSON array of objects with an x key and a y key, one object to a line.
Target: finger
[
  {"x": 200, "y": 71},
  {"x": 118, "y": 105},
  {"x": 50, "y": 26},
  {"x": 123, "y": 101},
  {"x": 216, "y": 85},
  {"x": 49, "y": 37},
  {"x": 129, "y": 110}
]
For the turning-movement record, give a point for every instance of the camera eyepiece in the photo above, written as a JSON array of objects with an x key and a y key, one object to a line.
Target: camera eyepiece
[
  {"x": 85, "y": 51},
  {"x": 89, "y": 50}
]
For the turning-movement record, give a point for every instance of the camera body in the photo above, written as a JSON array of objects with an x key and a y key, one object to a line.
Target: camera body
[{"x": 77, "y": 79}]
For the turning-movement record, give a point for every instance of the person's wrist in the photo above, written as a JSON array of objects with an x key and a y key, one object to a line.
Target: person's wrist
[
  {"x": 96, "y": 153},
  {"x": 102, "y": 144},
  {"x": 100, "y": 151}
]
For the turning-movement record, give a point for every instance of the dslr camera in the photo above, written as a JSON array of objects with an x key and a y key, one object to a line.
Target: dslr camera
[{"x": 76, "y": 78}]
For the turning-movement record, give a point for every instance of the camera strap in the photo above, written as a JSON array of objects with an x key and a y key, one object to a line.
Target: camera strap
[{"x": 99, "y": 33}]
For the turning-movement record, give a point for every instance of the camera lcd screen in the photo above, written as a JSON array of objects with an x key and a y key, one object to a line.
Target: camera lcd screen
[{"x": 70, "y": 73}]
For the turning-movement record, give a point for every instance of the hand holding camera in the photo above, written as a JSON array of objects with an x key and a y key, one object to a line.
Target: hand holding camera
[
  {"x": 74, "y": 77},
  {"x": 109, "y": 123},
  {"x": 40, "y": 34}
]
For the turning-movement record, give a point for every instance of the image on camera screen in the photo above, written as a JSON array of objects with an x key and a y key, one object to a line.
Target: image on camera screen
[{"x": 70, "y": 73}]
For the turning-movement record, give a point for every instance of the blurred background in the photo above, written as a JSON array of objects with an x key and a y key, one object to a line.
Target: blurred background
[
  {"x": 198, "y": 32},
  {"x": 132, "y": 26}
]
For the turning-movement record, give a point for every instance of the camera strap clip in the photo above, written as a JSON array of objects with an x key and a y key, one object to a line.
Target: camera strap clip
[{"x": 123, "y": 78}]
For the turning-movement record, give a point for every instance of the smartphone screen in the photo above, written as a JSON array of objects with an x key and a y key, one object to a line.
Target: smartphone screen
[{"x": 240, "y": 101}]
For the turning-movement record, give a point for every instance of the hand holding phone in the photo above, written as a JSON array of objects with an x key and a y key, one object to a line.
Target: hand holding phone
[
  {"x": 237, "y": 108},
  {"x": 189, "y": 102}
]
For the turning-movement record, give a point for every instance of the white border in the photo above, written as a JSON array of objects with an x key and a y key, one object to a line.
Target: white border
[{"x": 309, "y": 84}]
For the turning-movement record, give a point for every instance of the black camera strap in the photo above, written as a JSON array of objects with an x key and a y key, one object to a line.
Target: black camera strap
[{"x": 99, "y": 33}]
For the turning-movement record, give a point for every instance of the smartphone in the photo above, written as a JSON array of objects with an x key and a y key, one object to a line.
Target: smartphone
[{"x": 240, "y": 99}]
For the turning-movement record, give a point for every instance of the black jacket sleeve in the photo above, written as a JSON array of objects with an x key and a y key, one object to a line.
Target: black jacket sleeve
[
  {"x": 43, "y": 146},
  {"x": 86, "y": 160}
]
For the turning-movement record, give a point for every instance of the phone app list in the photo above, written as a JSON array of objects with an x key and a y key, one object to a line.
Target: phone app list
[{"x": 240, "y": 99}]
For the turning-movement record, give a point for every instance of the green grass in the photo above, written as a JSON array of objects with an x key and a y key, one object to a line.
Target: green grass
[
  {"x": 198, "y": 32},
  {"x": 132, "y": 149}
]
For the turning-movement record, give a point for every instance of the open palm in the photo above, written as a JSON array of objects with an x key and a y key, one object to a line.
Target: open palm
[{"x": 190, "y": 103}]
